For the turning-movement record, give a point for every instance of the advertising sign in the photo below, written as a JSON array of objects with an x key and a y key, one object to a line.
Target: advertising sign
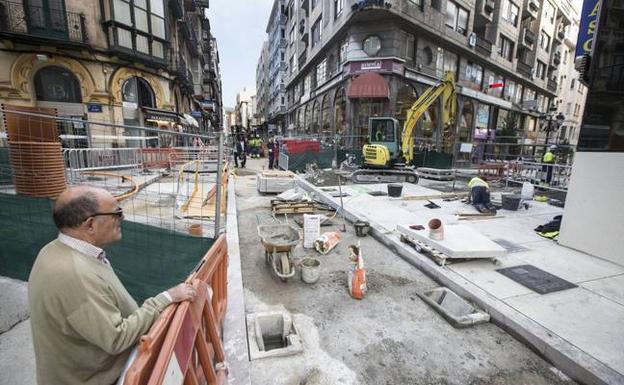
[{"x": 588, "y": 26}]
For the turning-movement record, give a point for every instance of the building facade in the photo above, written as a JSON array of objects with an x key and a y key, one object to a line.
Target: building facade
[
  {"x": 502, "y": 53},
  {"x": 262, "y": 87},
  {"x": 245, "y": 106},
  {"x": 276, "y": 30},
  {"x": 131, "y": 63}
]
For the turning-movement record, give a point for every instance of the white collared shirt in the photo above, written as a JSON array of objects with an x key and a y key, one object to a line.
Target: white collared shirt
[{"x": 83, "y": 247}]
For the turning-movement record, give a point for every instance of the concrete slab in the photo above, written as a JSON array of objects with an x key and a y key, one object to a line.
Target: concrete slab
[
  {"x": 460, "y": 241},
  {"x": 17, "y": 356},
  {"x": 568, "y": 264},
  {"x": 13, "y": 302},
  {"x": 482, "y": 273},
  {"x": 611, "y": 288},
  {"x": 588, "y": 320}
]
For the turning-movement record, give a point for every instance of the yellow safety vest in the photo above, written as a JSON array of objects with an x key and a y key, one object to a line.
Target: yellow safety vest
[
  {"x": 477, "y": 182},
  {"x": 549, "y": 157}
]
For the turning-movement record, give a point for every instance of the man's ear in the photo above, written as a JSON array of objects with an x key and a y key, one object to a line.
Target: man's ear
[{"x": 87, "y": 225}]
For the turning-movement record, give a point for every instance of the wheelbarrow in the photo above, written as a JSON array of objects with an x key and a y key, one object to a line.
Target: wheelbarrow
[{"x": 279, "y": 240}]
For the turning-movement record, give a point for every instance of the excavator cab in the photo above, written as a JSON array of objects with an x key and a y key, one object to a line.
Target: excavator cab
[{"x": 383, "y": 144}]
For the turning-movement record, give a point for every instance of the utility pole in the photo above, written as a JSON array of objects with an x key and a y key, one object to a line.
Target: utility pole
[{"x": 217, "y": 229}]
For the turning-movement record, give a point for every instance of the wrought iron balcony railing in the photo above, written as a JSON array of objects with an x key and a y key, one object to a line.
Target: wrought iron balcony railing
[{"x": 43, "y": 22}]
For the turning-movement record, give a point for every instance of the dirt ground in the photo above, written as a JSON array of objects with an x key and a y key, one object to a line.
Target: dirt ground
[{"x": 389, "y": 337}]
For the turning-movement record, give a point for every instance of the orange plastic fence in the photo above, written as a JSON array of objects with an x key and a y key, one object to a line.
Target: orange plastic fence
[
  {"x": 492, "y": 170},
  {"x": 156, "y": 157},
  {"x": 184, "y": 345}
]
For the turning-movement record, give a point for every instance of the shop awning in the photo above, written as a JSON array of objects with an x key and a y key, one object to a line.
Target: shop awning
[{"x": 369, "y": 85}]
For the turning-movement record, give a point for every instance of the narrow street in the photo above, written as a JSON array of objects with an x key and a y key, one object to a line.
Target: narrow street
[{"x": 389, "y": 337}]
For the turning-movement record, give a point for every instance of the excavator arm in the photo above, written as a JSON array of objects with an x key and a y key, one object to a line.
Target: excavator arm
[{"x": 444, "y": 89}]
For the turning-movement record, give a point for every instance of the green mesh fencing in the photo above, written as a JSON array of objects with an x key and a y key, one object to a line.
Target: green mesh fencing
[
  {"x": 433, "y": 159},
  {"x": 5, "y": 167},
  {"x": 148, "y": 259},
  {"x": 298, "y": 162}
]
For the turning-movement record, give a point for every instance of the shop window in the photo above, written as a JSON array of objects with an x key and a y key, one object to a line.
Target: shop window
[
  {"x": 474, "y": 76},
  {"x": 57, "y": 84}
]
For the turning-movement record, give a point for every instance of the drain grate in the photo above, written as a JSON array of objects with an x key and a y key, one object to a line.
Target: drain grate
[
  {"x": 536, "y": 279},
  {"x": 510, "y": 246}
]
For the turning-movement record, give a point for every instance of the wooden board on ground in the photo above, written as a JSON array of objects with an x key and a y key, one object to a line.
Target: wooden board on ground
[{"x": 457, "y": 195}]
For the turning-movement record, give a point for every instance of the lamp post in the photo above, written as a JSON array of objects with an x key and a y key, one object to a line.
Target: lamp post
[{"x": 550, "y": 117}]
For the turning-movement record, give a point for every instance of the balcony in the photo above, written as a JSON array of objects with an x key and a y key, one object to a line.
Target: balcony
[
  {"x": 483, "y": 46},
  {"x": 552, "y": 85},
  {"x": 365, "y": 4},
  {"x": 556, "y": 58},
  {"x": 531, "y": 9},
  {"x": 484, "y": 11},
  {"x": 42, "y": 22},
  {"x": 529, "y": 37},
  {"x": 282, "y": 43},
  {"x": 524, "y": 69},
  {"x": 182, "y": 74}
]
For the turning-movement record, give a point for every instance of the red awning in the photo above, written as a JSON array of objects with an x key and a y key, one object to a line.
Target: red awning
[{"x": 369, "y": 85}]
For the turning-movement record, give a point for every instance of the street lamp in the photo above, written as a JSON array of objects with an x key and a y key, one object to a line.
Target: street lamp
[{"x": 550, "y": 117}]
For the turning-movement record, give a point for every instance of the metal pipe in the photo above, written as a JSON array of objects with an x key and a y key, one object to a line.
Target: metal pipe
[{"x": 218, "y": 201}]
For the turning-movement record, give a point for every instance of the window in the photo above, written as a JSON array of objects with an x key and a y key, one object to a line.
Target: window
[
  {"x": 417, "y": 3},
  {"x": 544, "y": 41},
  {"x": 580, "y": 88},
  {"x": 565, "y": 56},
  {"x": 317, "y": 32},
  {"x": 450, "y": 63},
  {"x": 505, "y": 47},
  {"x": 293, "y": 64},
  {"x": 549, "y": 12},
  {"x": 282, "y": 56},
  {"x": 474, "y": 76},
  {"x": 541, "y": 70},
  {"x": 372, "y": 45},
  {"x": 529, "y": 94},
  {"x": 343, "y": 51},
  {"x": 518, "y": 96},
  {"x": 338, "y": 4},
  {"x": 568, "y": 108},
  {"x": 149, "y": 23},
  {"x": 282, "y": 33},
  {"x": 510, "y": 90},
  {"x": 427, "y": 56},
  {"x": 292, "y": 36},
  {"x": 321, "y": 72},
  {"x": 456, "y": 17},
  {"x": 306, "y": 84},
  {"x": 56, "y": 84},
  {"x": 509, "y": 12},
  {"x": 496, "y": 91},
  {"x": 572, "y": 84},
  {"x": 408, "y": 46}
]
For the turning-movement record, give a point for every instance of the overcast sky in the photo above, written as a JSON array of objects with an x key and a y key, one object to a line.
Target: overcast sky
[{"x": 240, "y": 28}]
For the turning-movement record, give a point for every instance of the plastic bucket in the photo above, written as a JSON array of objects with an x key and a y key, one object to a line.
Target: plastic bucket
[
  {"x": 196, "y": 230},
  {"x": 527, "y": 191},
  {"x": 361, "y": 228},
  {"x": 436, "y": 231},
  {"x": 395, "y": 189},
  {"x": 511, "y": 201},
  {"x": 310, "y": 270}
]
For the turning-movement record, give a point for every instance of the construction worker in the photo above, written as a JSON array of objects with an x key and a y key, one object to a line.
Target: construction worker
[
  {"x": 480, "y": 195},
  {"x": 84, "y": 322},
  {"x": 240, "y": 151},
  {"x": 270, "y": 148},
  {"x": 259, "y": 143},
  {"x": 548, "y": 159}
]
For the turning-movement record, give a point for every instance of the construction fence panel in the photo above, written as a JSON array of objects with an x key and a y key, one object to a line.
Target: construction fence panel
[{"x": 537, "y": 174}]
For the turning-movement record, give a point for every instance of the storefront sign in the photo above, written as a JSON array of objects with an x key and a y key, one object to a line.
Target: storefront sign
[
  {"x": 371, "y": 65},
  {"x": 587, "y": 28},
  {"x": 472, "y": 39},
  {"x": 380, "y": 65},
  {"x": 92, "y": 107},
  {"x": 196, "y": 114}
]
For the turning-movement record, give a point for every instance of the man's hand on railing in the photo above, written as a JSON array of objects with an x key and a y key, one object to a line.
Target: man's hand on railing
[{"x": 182, "y": 292}]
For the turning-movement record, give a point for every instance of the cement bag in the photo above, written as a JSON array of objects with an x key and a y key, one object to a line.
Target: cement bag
[
  {"x": 356, "y": 275},
  {"x": 327, "y": 241}
]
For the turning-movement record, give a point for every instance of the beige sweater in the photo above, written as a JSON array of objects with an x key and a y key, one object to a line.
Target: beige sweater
[{"x": 83, "y": 320}]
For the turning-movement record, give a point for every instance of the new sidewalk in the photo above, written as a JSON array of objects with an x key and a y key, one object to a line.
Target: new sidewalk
[{"x": 580, "y": 330}]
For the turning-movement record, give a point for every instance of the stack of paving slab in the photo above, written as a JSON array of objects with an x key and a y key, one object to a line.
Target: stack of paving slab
[{"x": 274, "y": 181}]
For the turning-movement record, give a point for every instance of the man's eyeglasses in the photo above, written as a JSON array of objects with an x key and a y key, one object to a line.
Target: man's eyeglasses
[{"x": 117, "y": 213}]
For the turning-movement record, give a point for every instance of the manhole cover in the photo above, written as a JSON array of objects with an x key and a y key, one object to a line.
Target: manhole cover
[{"x": 536, "y": 279}]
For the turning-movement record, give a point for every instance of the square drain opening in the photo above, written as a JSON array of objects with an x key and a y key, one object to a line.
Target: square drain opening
[
  {"x": 272, "y": 334},
  {"x": 456, "y": 310}
]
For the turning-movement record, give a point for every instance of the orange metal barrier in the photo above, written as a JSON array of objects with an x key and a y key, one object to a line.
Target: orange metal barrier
[
  {"x": 184, "y": 345},
  {"x": 156, "y": 157},
  {"x": 492, "y": 170}
]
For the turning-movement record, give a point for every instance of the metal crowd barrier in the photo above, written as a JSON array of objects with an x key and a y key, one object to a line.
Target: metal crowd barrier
[
  {"x": 185, "y": 339},
  {"x": 537, "y": 173},
  {"x": 94, "y": 159},
  {"x": 283, "y": 161}
]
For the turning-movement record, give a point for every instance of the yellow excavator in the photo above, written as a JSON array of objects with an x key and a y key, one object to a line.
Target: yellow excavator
[{"x": 389, "y": 151}]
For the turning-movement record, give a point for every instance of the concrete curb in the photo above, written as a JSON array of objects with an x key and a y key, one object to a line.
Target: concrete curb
[
  {"x": 573, "y": 361},
  {"x": 235, "y": 328}
]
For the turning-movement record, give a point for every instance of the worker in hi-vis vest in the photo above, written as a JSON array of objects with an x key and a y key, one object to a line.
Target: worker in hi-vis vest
[
  {"x": 548, "y": 159},
  {"x": 480, "y": 195}
]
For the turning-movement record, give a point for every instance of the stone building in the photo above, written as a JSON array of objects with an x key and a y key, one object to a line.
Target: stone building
[
  {"x": 262, "y": 86},
  {"x": 127, "y": 62},
  {"x": 349, "y": 60},
  {"x": 276, "y": 30}
]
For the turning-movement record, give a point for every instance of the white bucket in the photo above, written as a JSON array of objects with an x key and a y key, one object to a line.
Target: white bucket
[
  {"x": 310, "y": 270},
  {"x": 527, "y": 191}
]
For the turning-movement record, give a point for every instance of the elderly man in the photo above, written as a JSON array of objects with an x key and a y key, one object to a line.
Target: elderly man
[{"x": 84, "y": 322}]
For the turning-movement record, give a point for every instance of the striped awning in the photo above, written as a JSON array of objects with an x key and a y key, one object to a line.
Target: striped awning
[{"x": 368, "y": 85}]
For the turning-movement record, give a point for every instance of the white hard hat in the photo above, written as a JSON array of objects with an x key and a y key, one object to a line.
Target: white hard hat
[{"x": 552, "y": 147}]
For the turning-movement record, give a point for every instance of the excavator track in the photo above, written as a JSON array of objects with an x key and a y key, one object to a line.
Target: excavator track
[{"x": 371, "y": 175}]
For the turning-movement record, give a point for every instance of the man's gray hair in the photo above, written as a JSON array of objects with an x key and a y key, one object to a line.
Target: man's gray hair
[{"x": 72, "y": 213}]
